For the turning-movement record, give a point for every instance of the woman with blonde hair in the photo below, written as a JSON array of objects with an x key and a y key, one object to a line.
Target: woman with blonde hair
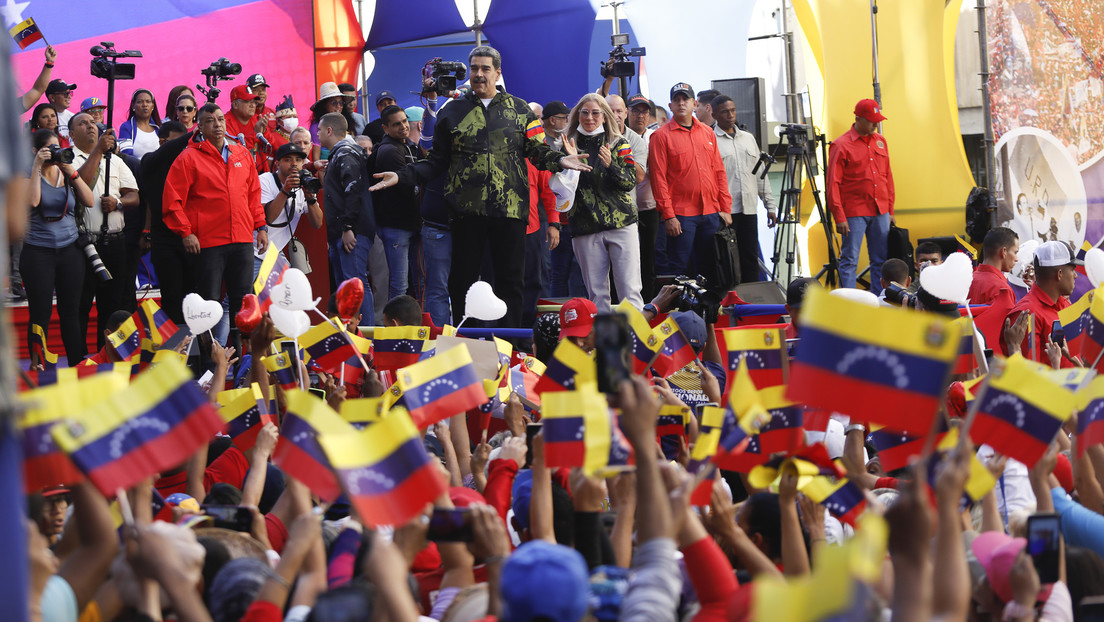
[{"x": 602, "y": 215}]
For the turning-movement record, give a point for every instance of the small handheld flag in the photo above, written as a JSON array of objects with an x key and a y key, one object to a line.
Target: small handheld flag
[
  {"x": 160, "y": 327},
  {"x": 1090, "y": 415},
  {"x": 25, "y": 33},
  {"x": 395, "y": 347},
  {"x": 764, "y": 349},
  {"x": 327, "y": 345},
  {"x": 441, "y": 387},
  {"x": 676, "y": 352},
  {"x": 570, "y": 367},
  {"x": 282, "y": 366},
  {"x": 363, "y": 412},
  {"x": 244, "y": 412},
  {"x": 577, "y": 430},
  {"x": 127, "y": 339},
  {"x": 272, "y": 271},
  {"x": 38, "y": 344},
  {"x": 298, "y": 452},
  {"x": 645, "y": 344}
]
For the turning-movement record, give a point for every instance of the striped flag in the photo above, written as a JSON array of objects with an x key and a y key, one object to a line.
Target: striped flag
[
  {"x": 156, "y": 321},
  {"x": 282, "y": 366},
  {"x": 326, "y": 345},
  {"x": 363, "y": 412},
  {"x": 645, "y": 344},
  {"x": 965, "y": 361},
  {"x": 395, "y": 347},
  {"x": 764, "y": 349},
  {"x": 1090, "y": 415},
  {"x": 671, "y": 428},
  {"x": 1093, "y": 325},
  {"x": 38, "y": 345},
  {"x": 676, "y": 352},
  {"x": 701, "y": 454},
  {"x": 441, "y": 387},
  {"x": 841, "y": 497},
  {"x": 25, "y": 33},
  {"x": 577, "y": 430},
  {"x": 127, "y": 339},
  {"x": 1074, "y": 318},
  {"x": 272, "y": 271},
  {"x": 535, "y": 131},
  {"x": 298, "y": 451},
  {"x": 569, "y": 368},
  {"x": 244, "y": 412}
]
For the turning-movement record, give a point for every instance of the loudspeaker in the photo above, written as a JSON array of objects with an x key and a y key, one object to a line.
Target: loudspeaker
[
  {"x": 749, "y": 94},
  {"x": 761, "y": 293}
]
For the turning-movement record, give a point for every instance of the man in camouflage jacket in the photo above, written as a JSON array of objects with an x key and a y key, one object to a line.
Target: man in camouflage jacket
[{"x": 482, "y": 140}]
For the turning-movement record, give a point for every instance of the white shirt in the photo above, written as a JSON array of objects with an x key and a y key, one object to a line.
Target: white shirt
[
  {"x": 144, "y": 142},
  {"x": 644, "y": 199},
  {"x": 63, "y": 122},
  {"x": 280, "y": 236},
  {"x": 121, "y": 177},
  {"x": 740, "y": 152},
  {"x": 1013, "y": 488}
]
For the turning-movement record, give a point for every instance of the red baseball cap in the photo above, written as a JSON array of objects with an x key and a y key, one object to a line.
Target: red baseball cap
[
  {"x": 242, "y": 91},
  {"x": 577, "y": 318},
  {"x": 869, "y": 110}
]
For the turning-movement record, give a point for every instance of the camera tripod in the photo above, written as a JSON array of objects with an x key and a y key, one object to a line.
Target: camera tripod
[{"x": 800, "y": 164}]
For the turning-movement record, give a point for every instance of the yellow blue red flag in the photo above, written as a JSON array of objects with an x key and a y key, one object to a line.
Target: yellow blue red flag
[
  {"x": 244, "y": 412},
  {"x": 272, "y": 271},
  {"x": 362, "y": 412},
  {"x": 327, "y": 345},
  {"x": 569, "y": 368},
  {"x": 127, "y": 339},
  {"x": 161, "y": 328},
  {"x": 676, "y": 352},
  {"x": 645, "y": 344},
  {"x": 395, "y": 347},
  {"x": 25, "y": 33},
  {"x": 764, "y": 350},
  {"x": 298, "y": 451},
  {"x": 38, "y": 345},
  {"x": 438, "y": 388},
  {"x": 577, "y": 430}
]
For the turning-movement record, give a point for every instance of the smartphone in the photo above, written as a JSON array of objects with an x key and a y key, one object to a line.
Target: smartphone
[
  {"x": 613, "y": 347},
  {"x": 1044, "y": 537},
  {"x": 319, "y": 392},
  {"x": 233, "y": 517},
  {"x": 531, "y": 432},
  {"x": 288, "y": 348},
  {"x": 1057, "y": 335},
  {"x": 450, "y": 525}
]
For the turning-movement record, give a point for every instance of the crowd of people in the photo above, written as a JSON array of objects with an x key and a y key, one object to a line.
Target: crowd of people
[{"x": 589, "y": 202}]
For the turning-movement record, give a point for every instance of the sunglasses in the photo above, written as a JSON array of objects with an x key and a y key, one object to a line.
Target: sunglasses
[{"x": 185, "y": 108}]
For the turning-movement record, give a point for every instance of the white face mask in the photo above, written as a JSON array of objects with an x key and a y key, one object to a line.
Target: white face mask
[{"x": 290, "y": 123}]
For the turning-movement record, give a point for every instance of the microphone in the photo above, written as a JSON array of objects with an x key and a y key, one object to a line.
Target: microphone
[
  {"x": 241, "y": 139},
  {"x": 264, "y": 141}
]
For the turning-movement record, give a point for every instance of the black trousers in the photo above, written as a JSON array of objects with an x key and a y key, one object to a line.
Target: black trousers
[
  {"x": 746, "y": 227},
  {"x": 230, "y": 265},
  {"x": 46, "y": 270},
  {"x": 648, "y": 228},
  {"x": 536, "y": 282},
  {"x": 176, "y": 271},
  {"x": 505, "y": 239},
  {"x": 110, "y": 296}
]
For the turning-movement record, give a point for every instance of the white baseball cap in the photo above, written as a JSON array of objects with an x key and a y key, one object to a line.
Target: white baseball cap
[{"x": 1052, "y": 254}]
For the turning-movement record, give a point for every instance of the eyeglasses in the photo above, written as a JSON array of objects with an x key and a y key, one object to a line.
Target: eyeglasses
[
  {"x": 185, "y": 108},
  {"x": 590, "y": 113}
]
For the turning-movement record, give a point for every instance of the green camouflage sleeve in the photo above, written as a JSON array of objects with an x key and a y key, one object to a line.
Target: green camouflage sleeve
[
  {"x": 621, "y": 173},
  {"x": 541, "y": 155}
]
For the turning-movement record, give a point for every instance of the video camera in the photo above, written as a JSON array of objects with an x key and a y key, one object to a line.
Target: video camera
[
  {"x": 895, "y": 294},
  {"x": 694, "y": 295},
  {"x": 620, "y": 64},
  {"x": 445, "y": 75},
  {"x": 221, "y": 69},
  {"x": 105, "y": 65}
]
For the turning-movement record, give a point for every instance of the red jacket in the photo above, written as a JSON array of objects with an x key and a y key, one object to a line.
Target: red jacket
[
  {"x": 860, "y": 182},
  {"x": 261, "y": 154},
  {"x": 220, "y": 202},
  {"x": 687, "y": 175},
  {"x": 540, "y": 194}
]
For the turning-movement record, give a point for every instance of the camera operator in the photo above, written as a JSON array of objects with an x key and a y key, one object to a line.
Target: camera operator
[
  {"x": 895, "y": 284},
  {"x": 285, "y": 201},
  {"x": 112, "y": 199},
  {"x": 50, "y": 260}
]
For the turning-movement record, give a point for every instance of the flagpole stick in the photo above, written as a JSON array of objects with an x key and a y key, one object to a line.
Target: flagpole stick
[
  {"x": 1031, "y": 322},
  {"x": 979, "y": 353},
  {"x": 1097, "y": 361},
  {"x": 349, "y": 338},
  {"x": 341, "y": 381},
  {"x": 299, "y": 367}
]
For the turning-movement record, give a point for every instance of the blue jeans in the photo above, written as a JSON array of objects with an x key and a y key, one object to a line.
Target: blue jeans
[
  {"x": 692, "y": 252},
  {"x": 401, "y": 249},
  {"x": 354, "y": 265},
  {"x": 567, "y": 277},
  {"x": 437, "y": 253},
  {"x": 876, "y": 229}
]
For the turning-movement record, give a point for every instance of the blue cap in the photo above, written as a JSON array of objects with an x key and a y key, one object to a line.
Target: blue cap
[
  {"x": 547, "y": 582},
  {"x": 523, "y": 490},
  {"x": 92, "y": 102},
  {"x": 693, "y": 327}
]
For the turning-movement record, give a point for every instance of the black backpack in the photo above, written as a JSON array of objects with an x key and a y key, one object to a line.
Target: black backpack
[
  {"x": 727, "y": 256},
  {"x": 900, "y": 247}
]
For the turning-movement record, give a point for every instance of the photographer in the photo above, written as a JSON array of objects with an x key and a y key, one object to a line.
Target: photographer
[
  {"x": 89, "y": 147},
  {"x": 285, "y": 201},
  {"x": 51, "y": 259}
]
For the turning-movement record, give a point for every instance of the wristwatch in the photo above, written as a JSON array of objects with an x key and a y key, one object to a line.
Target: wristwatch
[
  {"x": 262, "y": 228},
  {"x": 555, "y": 225},
  {"x": 652, "y": 308}
]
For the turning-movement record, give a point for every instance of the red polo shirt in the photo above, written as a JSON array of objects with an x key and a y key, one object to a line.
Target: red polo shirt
[
  {"x": 860, "y": 182},
  {"x": 1046, "y": 312},
  {"x": 687, "y": 175},
  {"x": 989, "y": 286},
  {"x": 540, "y": 195}
]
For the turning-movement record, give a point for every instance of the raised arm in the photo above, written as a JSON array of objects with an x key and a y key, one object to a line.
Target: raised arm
[{"x": 41, "y": 82}]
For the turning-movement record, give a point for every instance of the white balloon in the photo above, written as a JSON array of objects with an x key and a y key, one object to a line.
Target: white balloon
[
  {"x": 949, "y": 280},
  {"x": 290, "y": 323},
  {"x": 1023, "y": 260},
  {"x": 856, "y": 295},
  {"x": 293, "y": 292},
  {"x": 1094, "y": 266},
  {"x": 201, "y": 315},
  {"x": 482, "y": 304}
]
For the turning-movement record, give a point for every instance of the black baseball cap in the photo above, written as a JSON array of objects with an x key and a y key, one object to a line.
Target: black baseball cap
[
  {"x": 683, "y": 88},
  {"x": 256, "y": 80},
  {"x": 59, "y": 86},
  {"x": 795, "y": 292},
  {"x": 288, "y": 149},
  {"x": 555, "y": 107},
  {"x": 385, "y": 95},
  {"x": 640, "y": 100}
]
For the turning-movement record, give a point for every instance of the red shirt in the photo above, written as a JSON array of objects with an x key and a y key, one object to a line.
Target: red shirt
[
  {"x": 860, "y": 182},
  {"x": 261, "y": 154},
  {"x": 990, "y": 285},
  {"x": 230, "y": 467},
  {"x": 540, "y": 194},
  {"x": 687, "y": 175},
  {"x": 219, "y": 202},
  {"x": 1046, "y": 312}
]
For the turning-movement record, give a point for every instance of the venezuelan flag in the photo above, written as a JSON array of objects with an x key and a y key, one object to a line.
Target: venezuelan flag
[
  {"x": 625, "y": 151},
  {"x": 530, "y": 363},
  {"x": 859, "y": 360},
  {"x": 895, "y": 448},
  {"x": 645, "y": 344},
  {"x": 244, "y": 412},
  {"x": 841, "y": 497},
  {"x": 282, "y": 366},
  {"x": 978, "y": 483},
  {"x": 739, "y": 446},
  {"x": 127, "y": 339},
  {"x": 327, "y": 345},
  {"x": 577, "y": 430},
  {"x": 524, "y": 382},
  {"x": 1090, "y": 415},
  {"x": 38, "y": 344},
  {"x": 44, "y": 463},
  {"x": 569, "y": 368},
  {"x": 1074, "y": 318},
  {"x": 671, "y": 428},
  {"x": 1021, "y": 410},
  {"x": 363, "y": 412},
  {"x": 1093, "y": 343},
  {"x": 160, "y": 327},
  {"x": 298, "y": 451},
  {"x": 764, "y": 349},
  {"x": 965, "y": 361},
  {"x": 807, "y": 462},
  {"x": 966, "y": 248},
  {"x": 676, "y": 352},
  {"x": 395, "y": 347},
  {"x": 152, "y": 426},
  {"x": 784, "y": 431},
  {"x": 272, "y": 271},
  {"x": 535, "y": 131},
  {"x": 441, "y": 387},
  {"x": 25, "y": 33},
  {"x": 385, "y": 470},
  {"x": 701, "y": 454}
]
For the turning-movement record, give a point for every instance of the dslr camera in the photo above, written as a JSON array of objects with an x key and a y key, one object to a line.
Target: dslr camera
[
  {"x": 309, "y": 183},
  {"x": 61, "y": 155},
  {"x": 694, "y": 295},
  {"x": 222, "y": 69},
  {"x": 895, "y": 294},
  {"x": 445, "y": 75}
]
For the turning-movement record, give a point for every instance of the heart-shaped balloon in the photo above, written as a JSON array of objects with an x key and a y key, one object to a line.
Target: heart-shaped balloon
[
  {"x": 249, "y": 315},
  {"x": 856, "y": 295},
  {"x": 349, "y": 296},
  {"x": 293, "y": 292},
  {"x": 1023, "y": 260},
  {"x": 1094, "y": 266},
  {"x": 949, "y": 280},
  {"x": 201, "y": 315},
  {"x": 482, "y": 304},
  {"x": 290, "y": 323}
]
